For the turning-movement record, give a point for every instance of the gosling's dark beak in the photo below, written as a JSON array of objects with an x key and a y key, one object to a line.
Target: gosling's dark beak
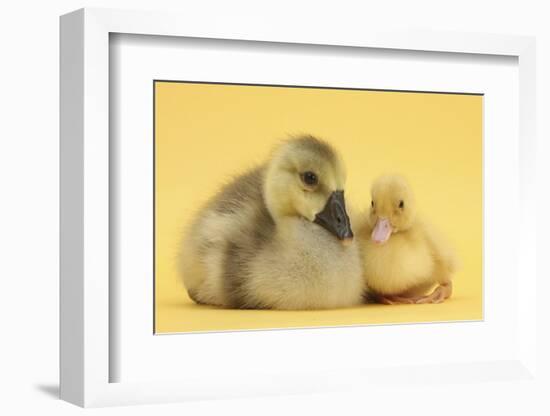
[{"x": 334, "y": 217}]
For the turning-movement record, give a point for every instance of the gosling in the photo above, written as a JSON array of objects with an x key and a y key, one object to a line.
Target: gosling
[{"x": 277, "y": 237}]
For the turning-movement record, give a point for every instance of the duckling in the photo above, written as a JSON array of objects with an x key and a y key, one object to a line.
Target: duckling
[
  {"x": 277, "y": 237},
  {"x": 403, "y": 256}
]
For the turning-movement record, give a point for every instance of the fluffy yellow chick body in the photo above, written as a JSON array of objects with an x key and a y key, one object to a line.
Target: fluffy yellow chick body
[{"x": 403, "y": 255}]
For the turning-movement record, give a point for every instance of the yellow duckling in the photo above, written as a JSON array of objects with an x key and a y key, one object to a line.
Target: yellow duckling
[
  {"x": 277, "y": 237},
  {"x": 403, "y": 256}
]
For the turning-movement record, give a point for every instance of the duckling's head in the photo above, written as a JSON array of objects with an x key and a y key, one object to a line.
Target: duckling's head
[
  {"x": 305, "y": 178},
  {"x": 392, "y": 207}
]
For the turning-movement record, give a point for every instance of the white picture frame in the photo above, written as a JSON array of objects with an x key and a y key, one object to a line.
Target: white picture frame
[{"x": 85, "y": 221}]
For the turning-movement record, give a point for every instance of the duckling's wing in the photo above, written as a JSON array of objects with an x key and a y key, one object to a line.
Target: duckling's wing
[{"x": 442, "y": 251}]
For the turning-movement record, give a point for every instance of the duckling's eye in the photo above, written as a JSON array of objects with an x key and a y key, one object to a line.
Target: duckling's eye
[
  {"x": 401, "y": 204},
  {"x": 372, "y": 204},
  {"x": 309, "y": 178}
]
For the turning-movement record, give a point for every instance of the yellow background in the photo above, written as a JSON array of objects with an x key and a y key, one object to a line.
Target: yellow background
[{"x": 207, "y": 133}]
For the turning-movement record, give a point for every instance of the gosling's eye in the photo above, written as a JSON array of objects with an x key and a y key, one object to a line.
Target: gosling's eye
[
  {"x": 372, "y": 204},
  {"x": 309, "y": 178},
  {"x": 401, "y": 204}
]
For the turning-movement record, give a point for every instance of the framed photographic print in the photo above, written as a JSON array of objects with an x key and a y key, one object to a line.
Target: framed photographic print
[
  {"x": 264, "y": 212},
  {"x": 414, "y": 132}
]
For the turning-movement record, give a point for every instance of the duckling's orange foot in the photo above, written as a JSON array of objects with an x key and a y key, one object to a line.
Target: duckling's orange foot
[
  {"x": 439, "y": 295},
  {"x": 394, "y": 300}
]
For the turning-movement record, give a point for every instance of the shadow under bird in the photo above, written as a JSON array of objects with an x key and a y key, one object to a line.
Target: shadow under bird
[{"x": 277, "y": 237}]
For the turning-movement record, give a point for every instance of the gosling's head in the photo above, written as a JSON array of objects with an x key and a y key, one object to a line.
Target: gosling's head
[
  {"x": 392, "y": 207},
  {"x": 305, "y": 178}
]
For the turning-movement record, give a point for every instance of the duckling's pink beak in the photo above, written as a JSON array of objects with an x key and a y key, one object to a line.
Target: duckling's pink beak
[{"x": 382, "y": 231}]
